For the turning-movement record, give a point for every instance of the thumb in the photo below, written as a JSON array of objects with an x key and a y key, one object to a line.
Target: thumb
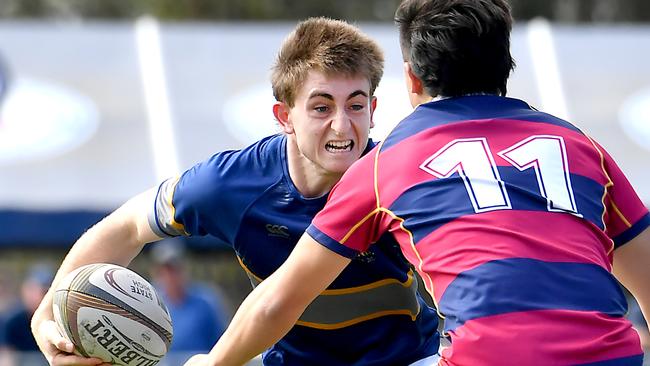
[{"x": 53, "y": 336}]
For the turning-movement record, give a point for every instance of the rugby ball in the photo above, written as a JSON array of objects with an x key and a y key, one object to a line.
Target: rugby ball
[{"x": 112, "y": 313}]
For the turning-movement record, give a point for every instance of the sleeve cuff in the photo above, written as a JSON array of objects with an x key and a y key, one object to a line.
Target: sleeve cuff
[
  {"x": 331, "y": 244},
  {"x": 633, "y": 231}
]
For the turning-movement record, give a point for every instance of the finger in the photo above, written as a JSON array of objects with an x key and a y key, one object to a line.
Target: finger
[
  {"x": 66, "y": 359},
  {"x": 53, "y": 336}
]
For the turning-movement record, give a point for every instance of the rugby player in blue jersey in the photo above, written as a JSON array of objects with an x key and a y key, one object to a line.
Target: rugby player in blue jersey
[{"x": 260, "y": 199}]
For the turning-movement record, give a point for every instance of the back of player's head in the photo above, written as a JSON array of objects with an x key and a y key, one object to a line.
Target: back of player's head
[
  {"x": 457, "y": 47},
  {"x": 330, "y": 46}
]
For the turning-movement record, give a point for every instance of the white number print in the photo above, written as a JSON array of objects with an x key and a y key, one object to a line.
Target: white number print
[
  {"x": 472, "y": 159},
  {"x": 547, "y": 155}
]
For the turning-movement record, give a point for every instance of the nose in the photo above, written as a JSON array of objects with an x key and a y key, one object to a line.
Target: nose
[{"x": 341, "y": 123}]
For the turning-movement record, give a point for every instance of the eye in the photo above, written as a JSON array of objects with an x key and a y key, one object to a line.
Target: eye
[
  {"x": 321, "y": 108},
  {"x": 357, "y": 107}
]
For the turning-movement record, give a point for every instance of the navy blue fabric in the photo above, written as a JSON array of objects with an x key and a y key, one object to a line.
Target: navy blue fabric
[
  {"x": 443, "y": 200},
  {"x": 468, "y": 108},
  {"x": 624, "y": 361},
  {"x": 523, "y": 284},
  {"x": 632, "y": 232},
  {"x": 246, "y": 199}
]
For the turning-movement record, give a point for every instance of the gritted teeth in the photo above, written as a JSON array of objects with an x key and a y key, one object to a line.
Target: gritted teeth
[{"x": 337, "y": 146}]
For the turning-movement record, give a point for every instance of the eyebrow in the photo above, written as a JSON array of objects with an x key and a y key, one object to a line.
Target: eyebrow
[{"x": 316, "y": 93}]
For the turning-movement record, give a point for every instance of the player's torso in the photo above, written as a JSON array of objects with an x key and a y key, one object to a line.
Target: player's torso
[
  {"x": 506, "y": 216},
  {"x": 375, "y": 295}
]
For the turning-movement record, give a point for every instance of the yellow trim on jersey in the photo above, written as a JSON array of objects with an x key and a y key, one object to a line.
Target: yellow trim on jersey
[
  {"x": 250, "y": 273},
  {"x": 620, "y": 214},
  {"x": 356, "y": 226},
  {"x": 176, "y": 225},
  {"x": 370, "y": 286},
  {"x": 360, "y": 319},
  {"x": 376, "y": 174},
  {"x": 429, "y": 285},
  {"x": 607, "y": 185},
  {"x": 387, "y": 281},
  {"x": 410, "y": 277}
]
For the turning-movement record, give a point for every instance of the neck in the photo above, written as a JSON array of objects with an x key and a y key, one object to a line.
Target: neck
[
  {"x": 417, "y": 99},
  {"x": 310, "y": 179}
]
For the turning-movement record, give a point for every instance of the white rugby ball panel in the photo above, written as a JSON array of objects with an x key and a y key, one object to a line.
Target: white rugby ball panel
[
  {"x": 125, "y": 288},
  {"x": 112, "y": 313},
  {"x": 118, "y": 338},
  {"x": 82, "y": 309}
]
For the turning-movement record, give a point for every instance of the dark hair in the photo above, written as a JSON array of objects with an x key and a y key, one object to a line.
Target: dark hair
[
  {"x": 457, "y": 47},
  {"x": 329, "y": 46}
]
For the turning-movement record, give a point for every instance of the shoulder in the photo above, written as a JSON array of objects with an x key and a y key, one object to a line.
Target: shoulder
[
  {"x": 261, "y": 155},
  {"x": 258, "y": 162}
]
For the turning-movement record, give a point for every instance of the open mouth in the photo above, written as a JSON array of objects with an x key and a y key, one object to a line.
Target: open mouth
[{"x": 339, "y": 146}]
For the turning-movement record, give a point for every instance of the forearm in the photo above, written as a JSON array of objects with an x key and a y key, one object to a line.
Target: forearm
[
  {"x": 118, "y": 238},
  {"x": 273, "y": 308},
  {"x": 632, "y": 269}
]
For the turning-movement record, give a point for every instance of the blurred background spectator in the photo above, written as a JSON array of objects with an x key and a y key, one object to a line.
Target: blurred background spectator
[
  {"x": 197, "y": 310},
  {"x": 17, "y": 342}
]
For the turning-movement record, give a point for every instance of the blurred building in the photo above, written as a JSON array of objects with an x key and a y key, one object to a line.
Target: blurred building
[{"x": 97, "y": 112}]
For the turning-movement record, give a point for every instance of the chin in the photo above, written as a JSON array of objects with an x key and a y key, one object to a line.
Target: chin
[
  {"x": 339, "y": 167},
  {"x": 339, "y": 163}
]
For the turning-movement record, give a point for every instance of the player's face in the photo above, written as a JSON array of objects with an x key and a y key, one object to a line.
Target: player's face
[{"x": 331, "y": 119}]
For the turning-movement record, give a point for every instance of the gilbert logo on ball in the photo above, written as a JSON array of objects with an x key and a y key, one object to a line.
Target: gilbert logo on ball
[{"x": 112, "y": 313}]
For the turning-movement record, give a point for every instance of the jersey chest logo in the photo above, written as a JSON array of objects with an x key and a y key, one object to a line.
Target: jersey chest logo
[{"x": 280, "y": 231}]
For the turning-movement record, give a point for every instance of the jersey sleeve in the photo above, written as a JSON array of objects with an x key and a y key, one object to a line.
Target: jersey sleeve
[
  {"x": 351, "y": 219},
  {"x": 625, "y": 214},
  {"x": 203, "y": 200}
]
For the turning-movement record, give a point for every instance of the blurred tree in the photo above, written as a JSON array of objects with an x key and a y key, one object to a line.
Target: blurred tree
[{"x": 361, "y": 10}]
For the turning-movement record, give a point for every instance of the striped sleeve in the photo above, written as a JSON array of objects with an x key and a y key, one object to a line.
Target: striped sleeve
[
  {"x": 625, "y": 214},
  {"x": 161, "y": 218},
  {"x": 194, "y": 204},
  {"x": 351, "y": 220}
]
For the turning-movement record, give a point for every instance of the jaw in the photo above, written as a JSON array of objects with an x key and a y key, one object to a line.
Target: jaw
[{"x": 338, "y": 161}]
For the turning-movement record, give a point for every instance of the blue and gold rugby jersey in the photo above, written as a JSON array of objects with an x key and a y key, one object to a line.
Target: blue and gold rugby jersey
[{"x": 370, "y": 315}]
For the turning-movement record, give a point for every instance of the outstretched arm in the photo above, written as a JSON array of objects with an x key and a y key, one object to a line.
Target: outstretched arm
[
  {"x": 272, "y": 309},
  {"x": 117, "y": 239},
  {"x": 632, "y": 269}
]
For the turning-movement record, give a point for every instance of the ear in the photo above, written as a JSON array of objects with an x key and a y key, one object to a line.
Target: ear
[
  {"x": 373, "y": 106},
  {"x": 413, "y": 83},
  {"x": 281, "y": 113}
]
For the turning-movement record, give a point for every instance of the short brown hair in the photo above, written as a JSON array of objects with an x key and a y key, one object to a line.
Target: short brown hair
[{"x": 328, "y": 46}]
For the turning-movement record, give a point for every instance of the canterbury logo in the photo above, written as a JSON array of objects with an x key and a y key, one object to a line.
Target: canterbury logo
[{"x": 277, "y": 230}]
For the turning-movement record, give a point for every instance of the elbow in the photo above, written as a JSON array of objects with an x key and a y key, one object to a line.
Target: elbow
[{"x": 276, "y": 308}]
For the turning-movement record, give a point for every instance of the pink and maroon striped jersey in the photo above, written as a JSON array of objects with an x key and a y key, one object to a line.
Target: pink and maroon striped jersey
[{"x": 511, "y": 216}]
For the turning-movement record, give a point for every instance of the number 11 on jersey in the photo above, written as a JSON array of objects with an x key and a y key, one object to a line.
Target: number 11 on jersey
[{"x": 473, "y": 160}]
